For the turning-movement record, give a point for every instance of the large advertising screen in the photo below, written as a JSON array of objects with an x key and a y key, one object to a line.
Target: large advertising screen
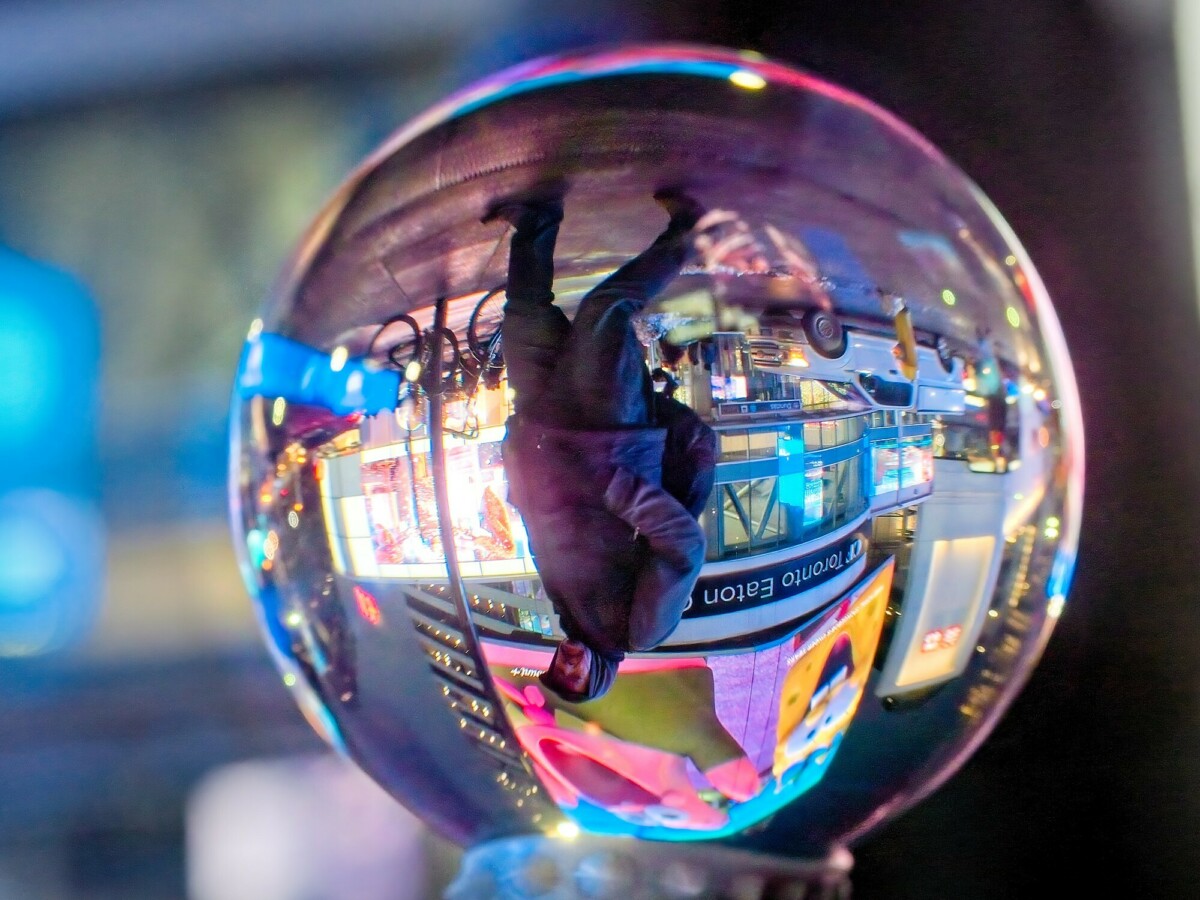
[{"x": 696, "y": 747}]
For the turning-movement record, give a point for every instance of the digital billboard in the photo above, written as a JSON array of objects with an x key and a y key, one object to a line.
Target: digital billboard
[{"x": 699, "y": 746}]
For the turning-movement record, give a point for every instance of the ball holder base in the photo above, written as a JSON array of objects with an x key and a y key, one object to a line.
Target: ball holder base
[{"x": 588, "y": 866}]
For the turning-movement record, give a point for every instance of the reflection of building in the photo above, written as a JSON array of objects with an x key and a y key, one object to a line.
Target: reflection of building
[
  {"x": 379, "y": 505},
  {"x": 785, "y": 525},
  {"x": 779, "y": 643},
  {"x": 953, "y": 566},
  {"x": 789, "y": 511},
  {"x": 952, "y": 569},
  {"x": 729, "y": 383},
  {"x": 784, "y": 485},
  {"x": 786, "y": 522},
  {"x": 377, "y": 496},
  {"x": 807, "y": 473},
  {"x": 777, "y": 370}
]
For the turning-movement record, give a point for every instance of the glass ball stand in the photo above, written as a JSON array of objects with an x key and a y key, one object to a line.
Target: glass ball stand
[{"x": 591, "y": 866}]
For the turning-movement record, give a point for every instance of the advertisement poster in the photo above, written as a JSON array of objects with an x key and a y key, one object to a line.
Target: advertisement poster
[
  {"x": 827, "y": 673},
  {"x": 697, "y": 747}
]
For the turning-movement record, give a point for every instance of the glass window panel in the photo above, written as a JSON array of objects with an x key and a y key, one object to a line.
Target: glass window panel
[
  {"x": 734, "y": 446},
  {"x": 762, "y": 444},
  {"x": 750, "y": 516}
]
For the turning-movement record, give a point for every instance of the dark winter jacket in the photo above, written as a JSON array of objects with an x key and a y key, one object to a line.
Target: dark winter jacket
[{"x": 617, "y": 553}]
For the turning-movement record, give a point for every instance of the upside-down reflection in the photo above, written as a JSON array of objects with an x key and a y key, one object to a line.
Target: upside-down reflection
[{"x": 835, "y": 374}]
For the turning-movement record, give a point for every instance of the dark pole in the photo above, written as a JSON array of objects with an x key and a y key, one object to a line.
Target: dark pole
[{"x": 458, "y": 593}]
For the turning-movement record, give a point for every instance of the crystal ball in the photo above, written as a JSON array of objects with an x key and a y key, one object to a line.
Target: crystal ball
[{"x": 657, "y": 442}]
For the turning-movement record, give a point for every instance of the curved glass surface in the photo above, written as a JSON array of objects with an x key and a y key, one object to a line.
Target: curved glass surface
[{"x": 793, "y": 451}]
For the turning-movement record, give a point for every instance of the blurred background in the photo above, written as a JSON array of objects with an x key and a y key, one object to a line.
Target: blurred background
[{"x": 158, "y": 158}]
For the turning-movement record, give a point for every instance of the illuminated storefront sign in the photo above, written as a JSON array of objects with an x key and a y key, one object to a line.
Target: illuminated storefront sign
[
  {"x": 760, "y": 406},
  {"x": 715, "y": 594}
]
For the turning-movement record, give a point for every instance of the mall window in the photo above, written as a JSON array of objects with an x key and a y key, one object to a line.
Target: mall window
[
  {"x": 742, "y": 444},
  {"x": 811, "y": 484}
]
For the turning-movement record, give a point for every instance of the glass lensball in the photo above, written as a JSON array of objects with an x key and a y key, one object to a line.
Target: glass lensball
[{"x": 851, "y": 555}]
